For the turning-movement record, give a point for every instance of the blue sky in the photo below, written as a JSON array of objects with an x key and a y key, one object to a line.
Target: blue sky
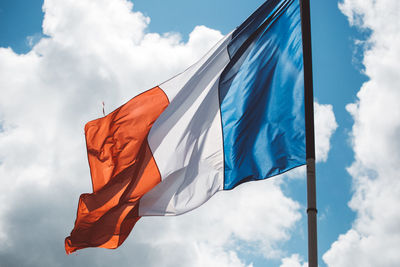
[{"x": 339, "y": 69}]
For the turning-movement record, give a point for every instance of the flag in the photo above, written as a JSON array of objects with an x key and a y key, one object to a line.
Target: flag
[{"x": 236, "y": 115}]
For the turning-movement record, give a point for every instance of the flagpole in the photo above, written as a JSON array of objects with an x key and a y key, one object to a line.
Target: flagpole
[{"x": 310, "y": 142}]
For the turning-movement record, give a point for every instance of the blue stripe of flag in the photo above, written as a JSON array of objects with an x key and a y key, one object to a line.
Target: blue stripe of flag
[{"x": 262, "y": 95}]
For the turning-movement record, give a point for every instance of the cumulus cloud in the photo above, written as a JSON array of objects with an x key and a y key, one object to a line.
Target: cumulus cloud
[
  {"x": 257, "y": 215},
  {"x": 325, "y": 126},
  {"x": 100, "y": 50},
  {"x": 374, "y": 239},
  {"x": 293, "y": 261}
]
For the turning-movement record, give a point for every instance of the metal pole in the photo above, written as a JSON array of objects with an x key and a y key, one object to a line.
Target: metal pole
[
  {"x": 310, "y": 142},
  {"x": 312, "y": 215}
]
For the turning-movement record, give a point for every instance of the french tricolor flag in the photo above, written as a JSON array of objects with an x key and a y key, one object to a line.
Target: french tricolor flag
[{"x": 236, "y": 115}]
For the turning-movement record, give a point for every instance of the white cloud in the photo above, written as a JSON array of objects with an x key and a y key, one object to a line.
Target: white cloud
[
  {"x": 325, "y": 126},
  {"x": 293, "y": 261},
  {"x": 33, "y": 39},
  {"x": 249, "y": 214},
  {"x": 99, "y": 50},
  {"x": 374, "y": 239}
]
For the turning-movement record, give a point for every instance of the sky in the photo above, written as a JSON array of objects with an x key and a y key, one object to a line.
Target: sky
[{"x": 60, "y": 59}]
